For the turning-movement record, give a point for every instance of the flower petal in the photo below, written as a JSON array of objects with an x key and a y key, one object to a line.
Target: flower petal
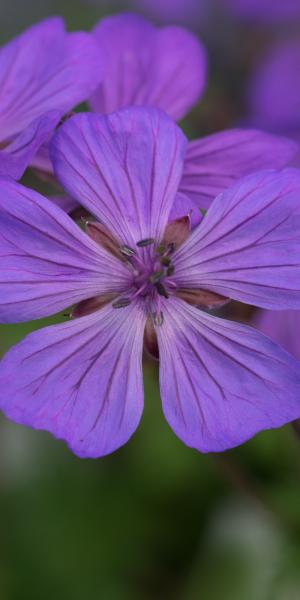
[
  {"x": 248, "y": 245},
  {"x": 124, "y": 168},
  {"x": 45, "y": 69},
  {"x": 213, "y": 163},
  {"x": 16, "y": 156},
  {"x": 273, "y": 89},
  {"x": 222, "y": 382},
  {"x": 80, "y": 380},
  {"x": 165, "y": 68},
  {"x": 46, "y": 262},
  {"x": 282, "y": 326}
]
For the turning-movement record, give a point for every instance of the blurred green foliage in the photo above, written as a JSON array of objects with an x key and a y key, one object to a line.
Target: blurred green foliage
[{"x": 155, "y": 520}]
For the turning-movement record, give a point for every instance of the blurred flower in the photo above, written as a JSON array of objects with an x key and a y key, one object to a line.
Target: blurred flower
[
  {"x": 44, "y": 72},
  {"x": 283, "y": 327},
  {"x": 144, "y": 65},
  {"x": 138, "y": 271},
  {"x": 166, "y": 68},
  {"x": 274, "y": 89},
  {"x": 174, "y": 11},
  {"x": 265, "y": 10}
]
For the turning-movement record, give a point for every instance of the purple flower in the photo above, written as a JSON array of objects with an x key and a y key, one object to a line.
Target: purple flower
[
  {"x": 44, "y": 72},
  {"x": 174, "y": 11},
  {"x": 274, "y": 89},
  {"x": 166, "y": 68},
  {"x": 136, "y": 272},
  {"x": 283, "y": 327},
  {"x": 144, "y": 65},
  {"x": 265, "y": 10}
]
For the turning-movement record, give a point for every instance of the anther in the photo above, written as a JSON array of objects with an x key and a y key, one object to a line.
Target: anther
[
  {"x": 156, "y": 277},
  {"x": 165, "y": 260},
  {"x": 170, "y": 270},
  {"x": 127, "y": 251},
  {"x": 161, "y": 290},
  {"x": 160, "y": 249},
  {"x": 158, "y": 319},
  {"x": 145, "y": 242},
  {"x": 121, "y": 303}
]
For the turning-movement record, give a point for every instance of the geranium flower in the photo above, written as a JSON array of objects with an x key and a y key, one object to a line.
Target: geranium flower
[
  {"x": 166, "y": 68},
  {"x": 44, "y": 72},
  {"x": 135, "y": 275}
]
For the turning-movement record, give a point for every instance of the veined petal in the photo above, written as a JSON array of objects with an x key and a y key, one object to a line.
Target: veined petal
[
  {"x": 16, "y": 156},
  {"x": 146, "y": 66},
  {"x": 80, "y": 380},
  {"x": 222, "y": 382},
  {"x": 124, "y": 168},
  {"x": 46, "y": 262},
  {"x": 213, "y": 163},
  {"x": 282, "y": 326},
  {"x": 45, "y": 69},
  {"x": 248, "y": 245}
]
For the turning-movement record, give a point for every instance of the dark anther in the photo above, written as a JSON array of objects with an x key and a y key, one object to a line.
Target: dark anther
[
  {"x": 127, "y": 251},
  {"x": 171, "y": 247},
  {"x": 121, "y": 303},
  {"x": 155, "y": 278},
  {"x": 158, "y": 319},
  {"x": 146, "y": 242},
  {"x": 160, "y": 249},
  {"x": 161, "y": 290},
  {"x": 165, "y": 260},
  {"x": 170, "y": 270}
]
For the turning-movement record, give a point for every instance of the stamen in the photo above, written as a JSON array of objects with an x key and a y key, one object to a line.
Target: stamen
[
  {"x": 145, "y": 242},
  {"x": 170, "y": 270},
  {"x": 158, "y": 318},
  {"x": 156, "y": 277},
  {"x": 161, "y": 290},
  {"x": 121, "y": 303},
  {"x": 165, "y": 260},
  {"x": 127, "y": 251},
  {"x": 161, "y": 249}
]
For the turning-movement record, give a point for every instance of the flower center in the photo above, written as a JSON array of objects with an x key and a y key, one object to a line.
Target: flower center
[{"x": 152, "y": 269}]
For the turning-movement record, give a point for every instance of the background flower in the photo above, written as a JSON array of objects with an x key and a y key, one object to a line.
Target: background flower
[{"x": 44, "y": 72}]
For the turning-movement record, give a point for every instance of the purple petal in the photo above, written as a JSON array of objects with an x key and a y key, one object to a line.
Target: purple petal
[
  {"x": 165, "y": 68},
  {"x": 65, "y": 202},
  {"x": 274, "y": 88},
  {"x": 124, "y": 168},
  {"x": 175, "y": 11},
  {"x": 248, "y": 245},
  {"x": 213, "y": 163},
  {"x": 46, "y": 262},
  {"x": 45, "y": 69},
  {"x": 182, "y": 206},
  {"x": 266, "y": 10},
  {"x": 222, "y": 382},
  {"x": 282, "y": 326},
  {"x": 15, "y": 158},
  {"x": 80, "y": 380}
]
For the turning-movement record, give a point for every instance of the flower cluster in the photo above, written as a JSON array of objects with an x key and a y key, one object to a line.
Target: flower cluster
[{"x": 146, "y": 267}]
